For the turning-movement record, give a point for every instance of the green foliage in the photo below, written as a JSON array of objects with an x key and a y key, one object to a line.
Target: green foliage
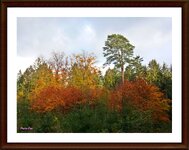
[
  {"x": 84, "y": 119},
  {"x": 24, "y": 83},
  {"x": 24, "y": 115},
  {"x": 165, "y": 82},
  {"x": 118, "y": 51},
  {"x": 39, "y": 122},
  {"x": 161, "y": 76},
  {"x": 136, "y": 121},
  {"x": 153, "y": 72},
  {"x": 111, "y": 78},
  {"x": 135, "y": 69}
]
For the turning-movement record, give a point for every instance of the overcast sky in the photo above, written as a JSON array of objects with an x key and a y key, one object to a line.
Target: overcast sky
[{"x": 152, "y": 37}]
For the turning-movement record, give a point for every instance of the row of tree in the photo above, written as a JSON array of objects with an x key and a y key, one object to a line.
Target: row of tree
[{"x": 65, "y": 84}]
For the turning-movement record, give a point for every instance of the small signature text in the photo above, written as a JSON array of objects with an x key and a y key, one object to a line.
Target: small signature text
[{"x": 26, "y": 128}]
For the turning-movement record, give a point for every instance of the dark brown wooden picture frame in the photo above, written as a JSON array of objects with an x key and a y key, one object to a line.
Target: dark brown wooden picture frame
[{"x": 184, "y": 4}]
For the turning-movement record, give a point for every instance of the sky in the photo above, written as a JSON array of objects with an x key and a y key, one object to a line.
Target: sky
[{"x": 151, "y": 36}]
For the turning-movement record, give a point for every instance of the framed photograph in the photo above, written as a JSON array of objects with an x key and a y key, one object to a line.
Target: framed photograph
[{"x": 99, "y": 74}]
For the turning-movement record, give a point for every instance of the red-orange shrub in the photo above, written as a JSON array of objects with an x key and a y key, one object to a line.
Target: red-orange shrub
[
  {"x": 142, "y": 96},
  {"x": 51, "y": 97},
  {"x": 115, "y": 101}
]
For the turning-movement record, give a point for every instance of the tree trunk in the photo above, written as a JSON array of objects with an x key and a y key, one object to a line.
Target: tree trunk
[{"x": 122, "y": 73}]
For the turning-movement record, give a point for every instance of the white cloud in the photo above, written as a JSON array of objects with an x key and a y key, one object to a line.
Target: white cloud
[
  {"x": 89, "y": 31},
  {"x": 40, "y": 36},
  {"x": 151, "y": 41},
  {"x": 86, "y": 39}
]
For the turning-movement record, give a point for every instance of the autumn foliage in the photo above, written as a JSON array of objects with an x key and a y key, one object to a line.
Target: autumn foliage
[
  {"x": 143, "y": 96},
  {"x": 75, "y": 86},
  {"x": 137, "y": 93},
  {"x": 52, "y": 97}
]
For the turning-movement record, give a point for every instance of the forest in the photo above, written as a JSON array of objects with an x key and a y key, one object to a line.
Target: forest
[{"x": 69, "y": 94}]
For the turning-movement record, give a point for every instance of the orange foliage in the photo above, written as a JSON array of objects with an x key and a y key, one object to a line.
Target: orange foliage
[
  {"x": 142, "y": 96},
  {"x": 45, "y": 99},
  {"x": 137, "y": 93},
  {"x": 115, "y": 101},
  {"x": 52, "y": 97}
]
